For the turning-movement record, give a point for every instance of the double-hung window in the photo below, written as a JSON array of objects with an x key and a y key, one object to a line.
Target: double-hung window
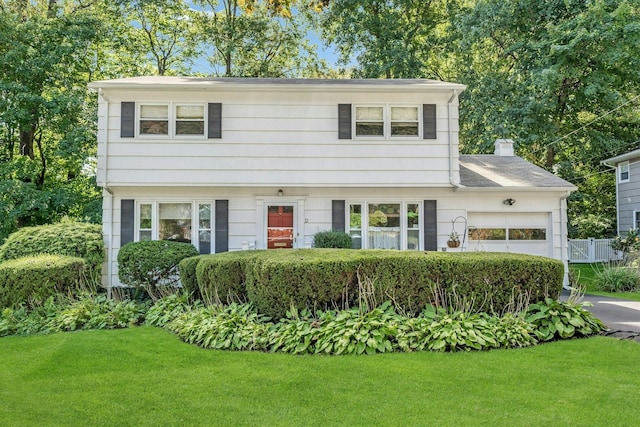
[
  {"x": 189, "y": 119},
  {"x": 188, "y": 222},
  {"x": 154, "y": 119},
  {"x": 172, "y": 119},
  {"x": 387, "y": 121},
  {"x": 623, "y": 172}
]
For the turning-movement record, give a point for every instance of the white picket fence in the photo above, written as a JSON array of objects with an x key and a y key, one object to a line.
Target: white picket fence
[{"x": 592, "y": 250}]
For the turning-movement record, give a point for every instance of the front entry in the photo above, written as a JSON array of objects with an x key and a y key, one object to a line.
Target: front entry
[{"x": 280, "y": 227}]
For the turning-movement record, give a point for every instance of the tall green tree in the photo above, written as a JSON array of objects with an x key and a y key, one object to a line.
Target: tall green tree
[
  {"x": 46, "y": 119},
  {"x": 557, "y": 76},
  {"x": 388, "y": 38},
  {"x": 161, "y": 33},
  {"x": 252, "y": 38}
]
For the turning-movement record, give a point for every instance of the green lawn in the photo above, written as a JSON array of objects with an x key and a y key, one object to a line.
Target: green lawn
[
  {"x": 146, "y": 376},
  {"x": 587, "y": 275}
]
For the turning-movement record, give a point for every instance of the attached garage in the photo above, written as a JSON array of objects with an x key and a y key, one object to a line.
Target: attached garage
[{"x": 510, "y": 232}]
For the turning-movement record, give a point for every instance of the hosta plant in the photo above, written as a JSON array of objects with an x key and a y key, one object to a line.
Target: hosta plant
[{"x": 562, "y": 320}]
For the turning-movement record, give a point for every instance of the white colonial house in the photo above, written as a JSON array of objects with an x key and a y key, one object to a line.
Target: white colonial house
[{"x": 235, "y": 164}]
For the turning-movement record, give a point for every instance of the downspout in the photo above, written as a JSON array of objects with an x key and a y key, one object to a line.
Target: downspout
[
  {"x": 110, "y": 197},
  {"x": 110, "y": 243},
  {"x": 454, "y": 95},
  {"x": 564, "y": 247}
]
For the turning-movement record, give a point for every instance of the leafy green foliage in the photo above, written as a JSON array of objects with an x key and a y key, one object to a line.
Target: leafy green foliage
[
  {"x": 31, "y": 280},
  {"x": 354, "y": 332},
  {"x": 167, "y": 309},
  {"x": 617, "y": 279},
  {"x": 627, "y": 243},
  {"x": 332, "y": 239},
  {"x": 69, "y": 238},
  {"x": 232, "y": 327},
  {"x": 98, "y": 312},
  {"x": 59, "y": 313},
  {"x": 561, "y": 320}
]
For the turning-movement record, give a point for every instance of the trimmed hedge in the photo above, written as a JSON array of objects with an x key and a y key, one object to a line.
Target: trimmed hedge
[
  {"x": 221, "y": 277},
  {"x": 75, "y": 239},
  {"x": 152, "y": 264},
  {"x": 187, "y": 270},
  {"x": 31, "y": 280},
  {"x": 327, "y": 278}
]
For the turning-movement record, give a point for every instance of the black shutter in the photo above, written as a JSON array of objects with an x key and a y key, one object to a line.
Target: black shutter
[
  {"x": 338, "y": 215},
  {"x": 344, "y": 121},
  {"x": 127, "y": 119},
  {"x": 429, "y": 130},
  {"x": 127, "y": 221},
  {"x": 222, "y": 226},
  {"x": 430, "y": 225},
  {"x": 215, "y": 120}
]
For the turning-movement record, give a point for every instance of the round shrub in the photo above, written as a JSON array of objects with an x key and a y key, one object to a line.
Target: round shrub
[
  {"x": 75, "y": 239},
  {"x": 332, "y": 239},
  {"x": 31, "y": 280},
  {"x": 152, "y": 265}
]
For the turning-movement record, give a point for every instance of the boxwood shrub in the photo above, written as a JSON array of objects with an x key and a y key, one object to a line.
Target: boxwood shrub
[
  {"x": 152, "y": 265},
  {"x": 325, "y": 278},
  {"x": 332, "y": 239},
  {"x": 31, "y": 280},
  {"x": 76, "y": 239}
]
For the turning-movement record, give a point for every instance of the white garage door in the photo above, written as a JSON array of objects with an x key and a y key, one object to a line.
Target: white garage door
[{"x": 525, "y": 233}]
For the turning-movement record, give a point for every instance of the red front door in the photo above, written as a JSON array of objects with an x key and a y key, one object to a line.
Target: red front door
[{"x": 280, "y": 227}]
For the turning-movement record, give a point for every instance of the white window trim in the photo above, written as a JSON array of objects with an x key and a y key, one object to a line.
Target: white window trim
[
  {"x": 172, "y": 118},
  {"x": 404, "y": 222},
  {"x": 620, "y": 166},
  {"x": 635, "y": 218},
  {"x": 174, "y": 110},
  {"x": 195, "y": 224},
  {"x": 386, "y": 118}
]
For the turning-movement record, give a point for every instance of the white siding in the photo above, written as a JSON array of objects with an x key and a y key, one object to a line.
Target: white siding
[
  {"x": 313, "y": 212},
  {"x": 273, "y": 138}
]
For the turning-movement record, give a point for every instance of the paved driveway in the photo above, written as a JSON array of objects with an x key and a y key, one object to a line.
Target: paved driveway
[{"x": 617, "y": 314}]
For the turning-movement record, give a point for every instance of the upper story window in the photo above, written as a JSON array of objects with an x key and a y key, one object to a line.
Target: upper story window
[
  {"x": 389, "y": 121},
  {"x": 369, "y": 121},
  {"x": 189, "y": 119},
  {"x": 404, "y": 121},
  {"x": 623, "y": 172},
  {"x": 171, "y": 119},
  {"x": 154, "y": 119}
]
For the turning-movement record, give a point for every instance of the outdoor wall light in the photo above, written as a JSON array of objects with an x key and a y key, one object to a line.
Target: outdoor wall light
[
  {"x": 509, "y": 202},
  {"x": 280, "y": 193}
]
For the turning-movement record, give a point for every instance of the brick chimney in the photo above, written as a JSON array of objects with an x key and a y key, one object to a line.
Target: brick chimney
[{"x": 504, "y": 147}]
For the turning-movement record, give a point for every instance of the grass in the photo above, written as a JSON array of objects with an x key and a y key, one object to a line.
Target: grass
[
  {"x": 587, "y": 277},
  {"x": 146, "y": 377}
]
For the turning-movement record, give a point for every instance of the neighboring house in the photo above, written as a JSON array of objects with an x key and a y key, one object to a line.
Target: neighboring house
[
  {"x": 232, "y": 164},
  {"x": 627, "y": 168}
]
